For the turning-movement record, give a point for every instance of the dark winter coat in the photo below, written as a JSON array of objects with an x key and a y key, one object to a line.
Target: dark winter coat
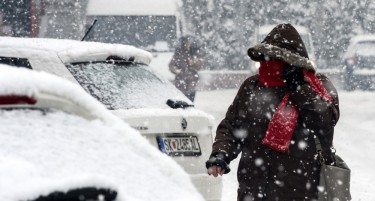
[
  {"x": 265, "y": 174},
  {"x": 185, "y": 65}
]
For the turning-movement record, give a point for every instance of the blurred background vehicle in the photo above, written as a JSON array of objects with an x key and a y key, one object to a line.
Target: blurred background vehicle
[
  {"x": 119, "y": 76},
  {"x": 59, "y": 143},
  {"x": 359, "y": 63},
  {"x": 151, "y": 25},
  {"x": 156, "y": 27}
]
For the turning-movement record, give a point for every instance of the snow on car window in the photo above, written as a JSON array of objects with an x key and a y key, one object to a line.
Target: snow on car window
[
  {"x": 364, "y": 54},
  {"x": 124, "y": 85},
  {"x": 365, "y": 48}
]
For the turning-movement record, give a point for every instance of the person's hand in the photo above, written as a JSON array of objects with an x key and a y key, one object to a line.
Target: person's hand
[
  {"x": 293, "y": 77},
  {"x": 218, "y": 164},
  {"x": 195, "y": 62},
  {"x": 215, "y": 171}
]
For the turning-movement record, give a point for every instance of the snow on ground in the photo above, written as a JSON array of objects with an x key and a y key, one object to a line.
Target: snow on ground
[{"x": 354, "y": 138}]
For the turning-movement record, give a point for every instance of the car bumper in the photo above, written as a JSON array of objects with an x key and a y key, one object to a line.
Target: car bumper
[{"x": 209, "y": 186}]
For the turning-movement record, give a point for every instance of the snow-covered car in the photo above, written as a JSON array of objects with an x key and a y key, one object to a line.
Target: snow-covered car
[
  {"x": 59, "y": 143},
  {"x": 359, "y": 63},
  {"x": 120, "y": 78}
]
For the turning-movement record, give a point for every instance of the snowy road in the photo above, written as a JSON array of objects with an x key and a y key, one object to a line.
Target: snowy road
[{"x": 354, "y": 138}]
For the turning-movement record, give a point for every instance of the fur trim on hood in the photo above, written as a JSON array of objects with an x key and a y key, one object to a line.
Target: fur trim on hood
[{"x": 283, "y": 43}]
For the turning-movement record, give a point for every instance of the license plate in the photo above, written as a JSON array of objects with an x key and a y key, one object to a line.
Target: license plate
[{"x": 179, "y": 146}]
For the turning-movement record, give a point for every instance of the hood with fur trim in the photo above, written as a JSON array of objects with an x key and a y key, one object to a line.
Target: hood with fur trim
[{"x": 283, "y": 43}]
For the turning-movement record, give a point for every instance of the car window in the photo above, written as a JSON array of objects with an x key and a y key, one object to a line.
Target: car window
[
  {"x": 14, "y": 61},
  {"x": 365, "y": 47},
  {"x": 145, "y": 30},
  {"x": 124, "y": 85},
  {"x": 364, "y": 53}
]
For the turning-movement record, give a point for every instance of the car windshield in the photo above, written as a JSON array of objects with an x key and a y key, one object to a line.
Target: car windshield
[
  {"x": 145, "y": 31},
  {"x": 365, "y": 48},
  {"x": 365, "y": 56},
  {"x": 125, "y": 85}
]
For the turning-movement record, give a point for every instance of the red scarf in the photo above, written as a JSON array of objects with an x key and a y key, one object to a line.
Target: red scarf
[
  {"x": 270, "y": 73},
  {"x": 283, "y": 122}
]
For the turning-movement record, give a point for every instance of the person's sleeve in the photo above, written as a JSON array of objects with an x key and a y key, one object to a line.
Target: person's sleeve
[
  {"x": 225, "y": 141},
  {"x": 316, "y": 112},
  {"x": 173, "y": 67},
  {"x": 197, "y": 63}
]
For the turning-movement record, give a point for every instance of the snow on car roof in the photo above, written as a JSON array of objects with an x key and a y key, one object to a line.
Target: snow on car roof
[
  {"x": 25, "y": 82},
  {"x": 351, "y": 50},
  {"x": 41, "y": 153},
  {"x": 132, "y": 7},
  {"x": 71, "y": 51}
]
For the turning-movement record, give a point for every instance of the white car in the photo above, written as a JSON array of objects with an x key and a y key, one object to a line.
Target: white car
[
  {"x": 120, "y": 78},
  {"x": 59, "y": 143}
]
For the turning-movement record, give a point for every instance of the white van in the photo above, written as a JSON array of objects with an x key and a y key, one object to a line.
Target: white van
[
  {"x": 304, "y": 32},
  {"x": 150, "y": 25}
]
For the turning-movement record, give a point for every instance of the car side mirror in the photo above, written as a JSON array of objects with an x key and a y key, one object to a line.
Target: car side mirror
[{"x": 178, "y": 104}]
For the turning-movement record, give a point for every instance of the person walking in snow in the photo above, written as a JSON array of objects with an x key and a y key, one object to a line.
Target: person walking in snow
[
  {"x": 273, "y": 120},
  {"x": 185, "y": 64}
]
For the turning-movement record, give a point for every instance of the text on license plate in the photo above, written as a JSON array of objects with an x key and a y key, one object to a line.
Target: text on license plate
[{"x": 179, "y": 146}]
